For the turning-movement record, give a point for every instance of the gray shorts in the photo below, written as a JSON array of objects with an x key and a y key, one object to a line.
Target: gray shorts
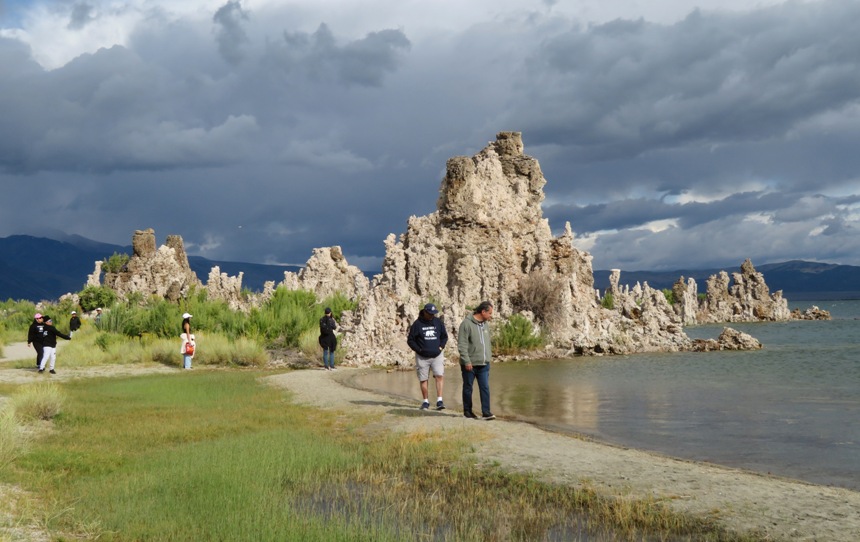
[{"x": 423, "y": 366}]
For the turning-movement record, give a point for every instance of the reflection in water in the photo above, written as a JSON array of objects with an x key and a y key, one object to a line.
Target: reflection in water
[{"x": 792, "y": 408}]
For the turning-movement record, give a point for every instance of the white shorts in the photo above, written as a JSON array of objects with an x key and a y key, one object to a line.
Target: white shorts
[{"x": 423, "y": 366}]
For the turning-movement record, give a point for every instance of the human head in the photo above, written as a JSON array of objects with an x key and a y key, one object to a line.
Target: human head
[
  {"x": 429, "y": 311},
  {"x": 99, "y": 309},
  {"x": 186, "y": 316},
  {"x": 74, "y": 313},
  {"x": 47, "y": 319},
  {"x": 38, "y": 316},
  {"x": 484, "y": 311},
  {"x": 327, "y": 310}
]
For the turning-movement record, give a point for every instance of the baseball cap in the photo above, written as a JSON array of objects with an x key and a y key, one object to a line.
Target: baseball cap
[
  {"x": 38, "y": 315},
  {"x": 186, "y": 315},
  {"x": 430, "y": 308},
  {"x": 74, "y": 312},
  {"x": 327, "y": 310}
]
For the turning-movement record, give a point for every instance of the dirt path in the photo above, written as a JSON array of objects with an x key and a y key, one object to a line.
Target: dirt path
[{"x": 742, "y": 501}]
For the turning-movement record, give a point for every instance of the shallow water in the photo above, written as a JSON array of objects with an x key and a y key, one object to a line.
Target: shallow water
[{"x": 791, "y": 409}]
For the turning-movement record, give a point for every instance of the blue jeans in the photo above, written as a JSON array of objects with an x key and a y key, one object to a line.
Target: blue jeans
[
  {"x": 186, "y": 361},
  {"x": 328, "y": 358},
  {"x": 482, "y": 373}
]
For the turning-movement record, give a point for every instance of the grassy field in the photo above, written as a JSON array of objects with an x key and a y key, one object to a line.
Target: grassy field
[{"x": 216, "y": 455}]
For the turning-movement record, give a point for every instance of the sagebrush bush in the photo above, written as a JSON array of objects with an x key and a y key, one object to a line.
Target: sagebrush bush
[
  {"x": 93, "y": 297},
  {"x": 608, "y": 301},
  {"x": 41, "y": 401},
  {"x": 540, "y": 293}
]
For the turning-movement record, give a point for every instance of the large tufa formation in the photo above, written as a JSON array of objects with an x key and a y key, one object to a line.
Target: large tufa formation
[
  {"x": 748, "y": 299},
  {"x": 162, "y": 272},
  {"x": 488, "y": 240}
]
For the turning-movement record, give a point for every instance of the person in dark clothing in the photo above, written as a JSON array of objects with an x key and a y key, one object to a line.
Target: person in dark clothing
[
  {"x": 427, "y": 338},
  {"x": 74, "y": 323},
  {"x": 49, "y": 345},
  {"x": 328, "y": 340},
  {"x": 34, "y": 336}
]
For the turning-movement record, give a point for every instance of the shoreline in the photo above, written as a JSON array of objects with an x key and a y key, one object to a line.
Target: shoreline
[{"x": 742, "y": 501}]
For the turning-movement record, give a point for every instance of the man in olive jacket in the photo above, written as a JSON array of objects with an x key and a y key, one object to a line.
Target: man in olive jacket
[{"x": 473, "y": 343}]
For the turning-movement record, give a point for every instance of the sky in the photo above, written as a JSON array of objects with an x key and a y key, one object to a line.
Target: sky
[{"x": 672, "y": 134}]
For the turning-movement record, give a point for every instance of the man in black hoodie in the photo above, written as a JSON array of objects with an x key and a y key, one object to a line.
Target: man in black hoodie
[
  {"x": 427, "y": 338},
  {"x": 49, "y": 345},
  {"x": 34, "y": 336}
]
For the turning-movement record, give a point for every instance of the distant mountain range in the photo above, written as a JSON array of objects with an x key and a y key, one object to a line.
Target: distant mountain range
[{"x": 37, "y": 268}]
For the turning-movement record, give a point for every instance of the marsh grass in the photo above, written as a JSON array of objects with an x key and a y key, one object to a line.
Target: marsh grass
[
  {"x": 39, "y": 401},
  {"x": 218, "y": 456}
]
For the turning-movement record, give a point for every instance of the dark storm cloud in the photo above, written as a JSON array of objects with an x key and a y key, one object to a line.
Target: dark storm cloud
[
  {"x": 259, "y": 134},
  {"x": 361, "y": 62},
  {"x": 82, "y": 14},
  {"x": 628, "y": 87},
  {"x": 230, "y": 33}
]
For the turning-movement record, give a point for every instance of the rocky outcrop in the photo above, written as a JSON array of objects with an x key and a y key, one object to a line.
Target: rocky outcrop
[
  {"x": 812, "y": 313},
  {"x": 487, "y": 240},
  {"x": 162, "y": 271},
  {"x": 326, "y": 273},
  {"x": 729, "y": 339},
  {"x": 748, "y": 299}
]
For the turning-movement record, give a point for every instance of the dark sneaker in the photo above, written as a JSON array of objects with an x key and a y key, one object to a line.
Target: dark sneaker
[
  {"x": 470, "y": 415},
  {"x": 425, "y": 405},
  {"x": 489, "y": 416},
  {"x": 53, "y": 372},
  {"x": 440, "y": 405},
  {"x": 41, "y": 370}
]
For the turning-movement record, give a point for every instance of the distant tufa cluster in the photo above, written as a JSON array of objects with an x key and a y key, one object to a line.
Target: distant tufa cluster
[{"x": 486, "y": 240}]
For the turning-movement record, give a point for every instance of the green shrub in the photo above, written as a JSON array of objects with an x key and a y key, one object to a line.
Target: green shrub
[
  {"x": 42, "y": 401},
  {"x": 670, "y": 296},
  {"x": 93, "y": 297},
  {"x": 540, "y": 293},
  {"x": 115, "y": 263},
  {"x": 515, "y": 335},
  {"x": 608, "y": 301}
]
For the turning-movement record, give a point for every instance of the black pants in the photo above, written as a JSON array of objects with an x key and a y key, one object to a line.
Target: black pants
[{"x": 38, "y": 347}]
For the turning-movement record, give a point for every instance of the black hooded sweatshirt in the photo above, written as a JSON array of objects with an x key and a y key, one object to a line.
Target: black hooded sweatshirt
[{"x": 50, "y": 334}]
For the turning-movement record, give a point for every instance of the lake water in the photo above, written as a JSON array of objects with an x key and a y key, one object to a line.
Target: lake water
[{"x": 791, "y": 409}]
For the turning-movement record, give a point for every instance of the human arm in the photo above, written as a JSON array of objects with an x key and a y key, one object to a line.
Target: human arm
[{"x": 463, "y": 345}]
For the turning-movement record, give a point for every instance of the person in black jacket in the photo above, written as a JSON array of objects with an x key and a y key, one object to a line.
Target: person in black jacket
[
  {"x": 49, "y": 345},
  {"x": 427, "y": 338},
  {"x": 328, "y": 340},
  {"x": 34, "y": 336},
  {"x": 74, "y": 323}
]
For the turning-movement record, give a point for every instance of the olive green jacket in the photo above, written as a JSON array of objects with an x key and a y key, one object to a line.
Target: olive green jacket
[{"x": 473, "y": 342}]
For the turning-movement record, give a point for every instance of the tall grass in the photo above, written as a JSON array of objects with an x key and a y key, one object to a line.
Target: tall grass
[
  {"x": 40, "y": 401},
  {"x": 515, "y": 335},
  {"x": 12, "y": 439},
  {"x": 217, "y": 456}
]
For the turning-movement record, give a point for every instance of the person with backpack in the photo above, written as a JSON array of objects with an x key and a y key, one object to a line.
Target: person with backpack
[{"x": 327, "y": 339}]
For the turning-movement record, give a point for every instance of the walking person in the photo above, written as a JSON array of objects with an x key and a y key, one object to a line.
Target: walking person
[
  {"x": 328, "y": 340},
  {"x": 427, "y": 338},
  {"x": 74, "y": 323},
  {"x": 189, "y": 342},
  {"x": 473, "y": 343},
  {"x": 49, "y": 345},
  {"x": 34, "y": 336},
  {"x": 98, "y": 318}
]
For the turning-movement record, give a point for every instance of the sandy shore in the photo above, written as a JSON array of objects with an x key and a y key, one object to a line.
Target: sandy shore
[{"x": 743, "y": 501}]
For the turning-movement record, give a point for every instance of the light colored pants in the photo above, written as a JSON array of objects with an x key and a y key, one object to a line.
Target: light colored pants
[
  {"x": 186, "y": 361},
  {"x": 49, "y": 353}
]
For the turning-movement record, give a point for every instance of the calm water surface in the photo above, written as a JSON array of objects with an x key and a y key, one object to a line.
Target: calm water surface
[{"x": 791, "y": 409}]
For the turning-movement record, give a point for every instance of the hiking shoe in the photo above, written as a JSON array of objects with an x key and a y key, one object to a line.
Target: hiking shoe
[
  {"x": 53, "y": 372},
  {"x": 489, "y": 416},
  {"x": 470, "y": 415},
  {"x": 440, "y": 405},
  {"x": 425, "y": 405}
]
